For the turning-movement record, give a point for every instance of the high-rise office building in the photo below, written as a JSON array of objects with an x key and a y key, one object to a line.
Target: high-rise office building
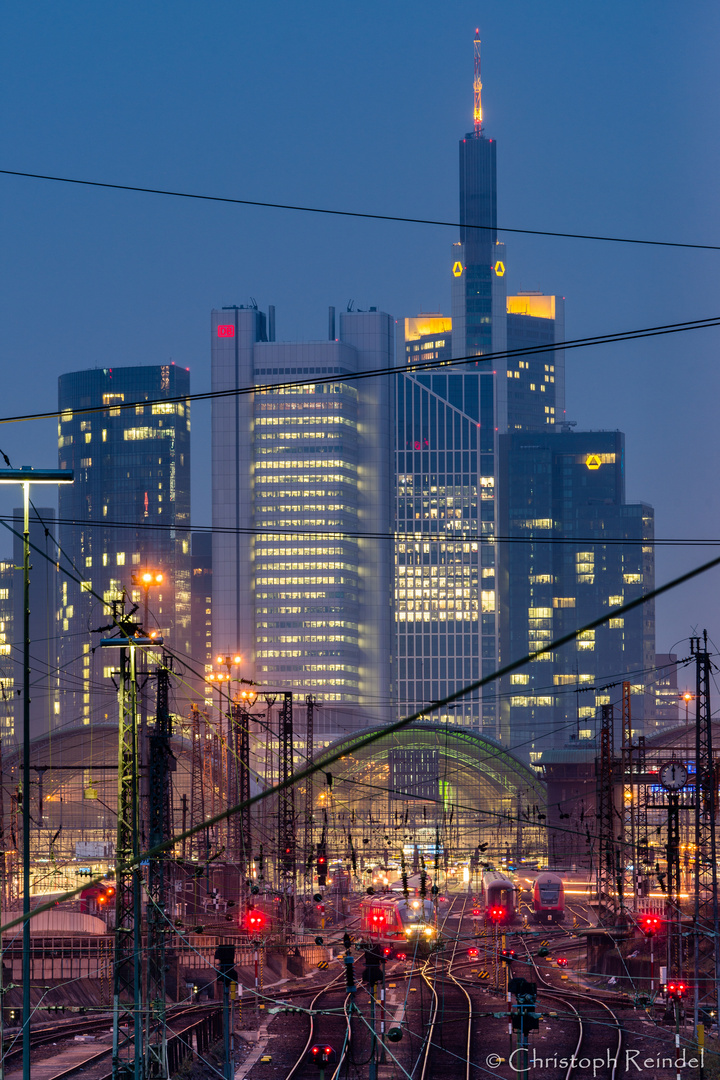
[
  {"x": 10, "y": 673},
  {"x": 44, "y": 596},
  {"x": 575, "y": 550},
  {"x": 127, "y": 511},
  {"x": 201, "y": 615},
  {"x": 302, "y": 511},
  {"x": 447, "y": 430},
  {"x": 536, "y": 381}
]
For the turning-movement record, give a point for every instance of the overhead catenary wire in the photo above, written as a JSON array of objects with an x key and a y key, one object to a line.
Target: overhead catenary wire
[
  {"x": 411, "y": 369},
  {"x": 363, "y": 215},
  {"x": 415, "y": 537}
]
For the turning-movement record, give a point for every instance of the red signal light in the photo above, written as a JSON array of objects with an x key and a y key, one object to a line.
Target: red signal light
[
  {"x": 677, "y": 990},
  {"x": 386, "y": 951},
  {"x": 562, "y": 962},
  {"x": 476, "y": 913},
  {"x": 650, "y": 924},
  {"x": 497, "y": 914},
  {"x": 473, "y": 953}
]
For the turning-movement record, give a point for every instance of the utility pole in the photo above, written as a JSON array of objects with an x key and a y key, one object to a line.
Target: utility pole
[
  {"x": 286, "y": 807},
  {"x": 629, "y": 856},
  {"x": 311, "y": 704},
  {"x": 127, "y": 1043},
  {"x": 160, "y": 814},
  {"x": 706, "y": 877},
  {"x": 608, "y": 880}
]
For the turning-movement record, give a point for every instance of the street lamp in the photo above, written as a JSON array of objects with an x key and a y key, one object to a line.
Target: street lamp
[
  {"x": 687, "y": 697},
  {"x": 26, "y": 476},
  {"x": 146, "y": 579}
]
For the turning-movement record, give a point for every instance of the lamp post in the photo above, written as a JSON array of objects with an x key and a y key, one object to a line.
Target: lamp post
[
  {"x": 687, "y": 697},
  {"x": 26, "y": 476},
  {"x": 146, "y": 579}
]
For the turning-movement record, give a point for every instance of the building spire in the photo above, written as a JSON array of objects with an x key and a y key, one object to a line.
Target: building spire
[{"x": 477, "y": 89}]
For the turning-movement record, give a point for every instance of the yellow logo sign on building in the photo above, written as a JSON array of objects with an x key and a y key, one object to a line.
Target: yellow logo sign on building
[
  {"x": 457, "y": 269},
  {"x": 499, "y": 268},
  {"x": 593, "y": 461}
]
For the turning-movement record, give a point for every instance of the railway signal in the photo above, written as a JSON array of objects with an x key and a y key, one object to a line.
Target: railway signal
[
  {"x": 650, "y": 925},
  {"x": 507, "y": 955},
  {"x": 496, "y": 914},
  {"x": 561, "y": 961},
  {"x": 255, "y": 921},
  {"x": 677, "y": 990},
  {"x": 473, "y": 953},
  {"x": 322, "y": 1054}
]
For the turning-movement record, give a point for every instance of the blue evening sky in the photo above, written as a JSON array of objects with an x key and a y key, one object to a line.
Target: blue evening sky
[{"x": 606, "y": 120}]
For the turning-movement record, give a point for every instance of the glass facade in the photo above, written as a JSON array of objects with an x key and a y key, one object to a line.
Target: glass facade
[
  {"x": 536, "y": 382},
  {"x": 128, "y": 510},
  {"x": 447, "y": 429},
  {"x": 303, "y": 589},
  {"x": 575, "y": 550}
]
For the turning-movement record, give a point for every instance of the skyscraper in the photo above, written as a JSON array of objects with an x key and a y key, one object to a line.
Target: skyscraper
[
  {"x": 128, "y": 510},
  {"x": 536, "y": 381},
  {"x": 576, "y": 550},
  {"x": 302, "y": 511},
  {"x": 447, "y": 430}
]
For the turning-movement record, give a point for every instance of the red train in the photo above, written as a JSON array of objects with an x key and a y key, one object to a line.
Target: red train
[
  {"x": 549, "y": 898},
  {"x": 405, "y": 926},
  {"x": 500, "y": 898}
]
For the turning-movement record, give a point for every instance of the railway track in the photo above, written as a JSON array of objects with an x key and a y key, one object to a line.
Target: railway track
[
  {"x": 592, "y": 1042},
  {"x": 58, "y": 1069}
]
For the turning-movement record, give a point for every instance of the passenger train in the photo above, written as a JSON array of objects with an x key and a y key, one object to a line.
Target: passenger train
[
  {"x": 548, "y": 898},
  {"x": 500, "y": 898},
  {"x": 406, "y": 926}
]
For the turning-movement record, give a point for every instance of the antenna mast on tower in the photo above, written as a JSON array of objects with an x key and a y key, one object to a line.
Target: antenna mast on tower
[{"x": 477, "y": 90}]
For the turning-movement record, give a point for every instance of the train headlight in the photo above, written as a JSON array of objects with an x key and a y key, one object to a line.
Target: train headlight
[{"x": 428, "y": 930}]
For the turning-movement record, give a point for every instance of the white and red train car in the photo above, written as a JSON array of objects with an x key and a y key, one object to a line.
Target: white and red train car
[
  {"x": 548, "y": 898},
  {"x": 404, "y": 925}
]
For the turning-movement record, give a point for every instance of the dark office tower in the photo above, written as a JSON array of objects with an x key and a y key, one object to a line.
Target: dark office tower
[
  {"x": 576, "y": 550},
  {"x": 447, "y": 430},
  {"x": 536, "y": 381},
  {"x": 44, "y": 597},
  {"x": 302, "y": 498},
  {"x": 127, "y": 512},
  {"x": 10, "y": 674},
  {"x": 201, "y": 613}
]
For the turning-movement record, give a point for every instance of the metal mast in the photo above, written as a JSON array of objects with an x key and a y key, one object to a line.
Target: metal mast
[
  {"x": 127, "y": 1044},
  {"x": 160, "y": 759},
  {"x": 706, "y": 878},
  {"x": 310, "y": 702},
  {"x": 477, "y": 90},
  {"x": 199, "y": 842},
  {"x": 628, "y": 856},
  {"x": 606, "y": 866},
  {"x": 286, "y": 805}
]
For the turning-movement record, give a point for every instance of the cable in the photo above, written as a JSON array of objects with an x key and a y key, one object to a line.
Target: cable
[
  {"x": 427, "y": 365},
  {"x": 358, "y": 213},
  {"x": 414, "y": 537}
]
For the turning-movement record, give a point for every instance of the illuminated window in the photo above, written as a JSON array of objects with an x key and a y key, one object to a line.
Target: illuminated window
[
  {"x": 120, "y": 558},
  {"x": 586, "y": 712},
  {"x": 615, "y": 601},
  {"x": 88, "y": 437},
  {"x": 540, "y": 613},
  {"x": 563, "y": 601},
  {"x": 88, "y": 560},
  {"x": 519, "y": 680},
  {"x": 563, "y": 680},
  {"x": 632, "y": 579},
  {"x": 616, "y": 624}
]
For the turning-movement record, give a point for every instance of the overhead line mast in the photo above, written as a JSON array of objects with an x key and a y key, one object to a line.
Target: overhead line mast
[{"x": 477, "y": 89}]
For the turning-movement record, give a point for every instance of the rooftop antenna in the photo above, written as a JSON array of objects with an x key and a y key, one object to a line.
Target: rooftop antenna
[{"x": 477, "y": 89}]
